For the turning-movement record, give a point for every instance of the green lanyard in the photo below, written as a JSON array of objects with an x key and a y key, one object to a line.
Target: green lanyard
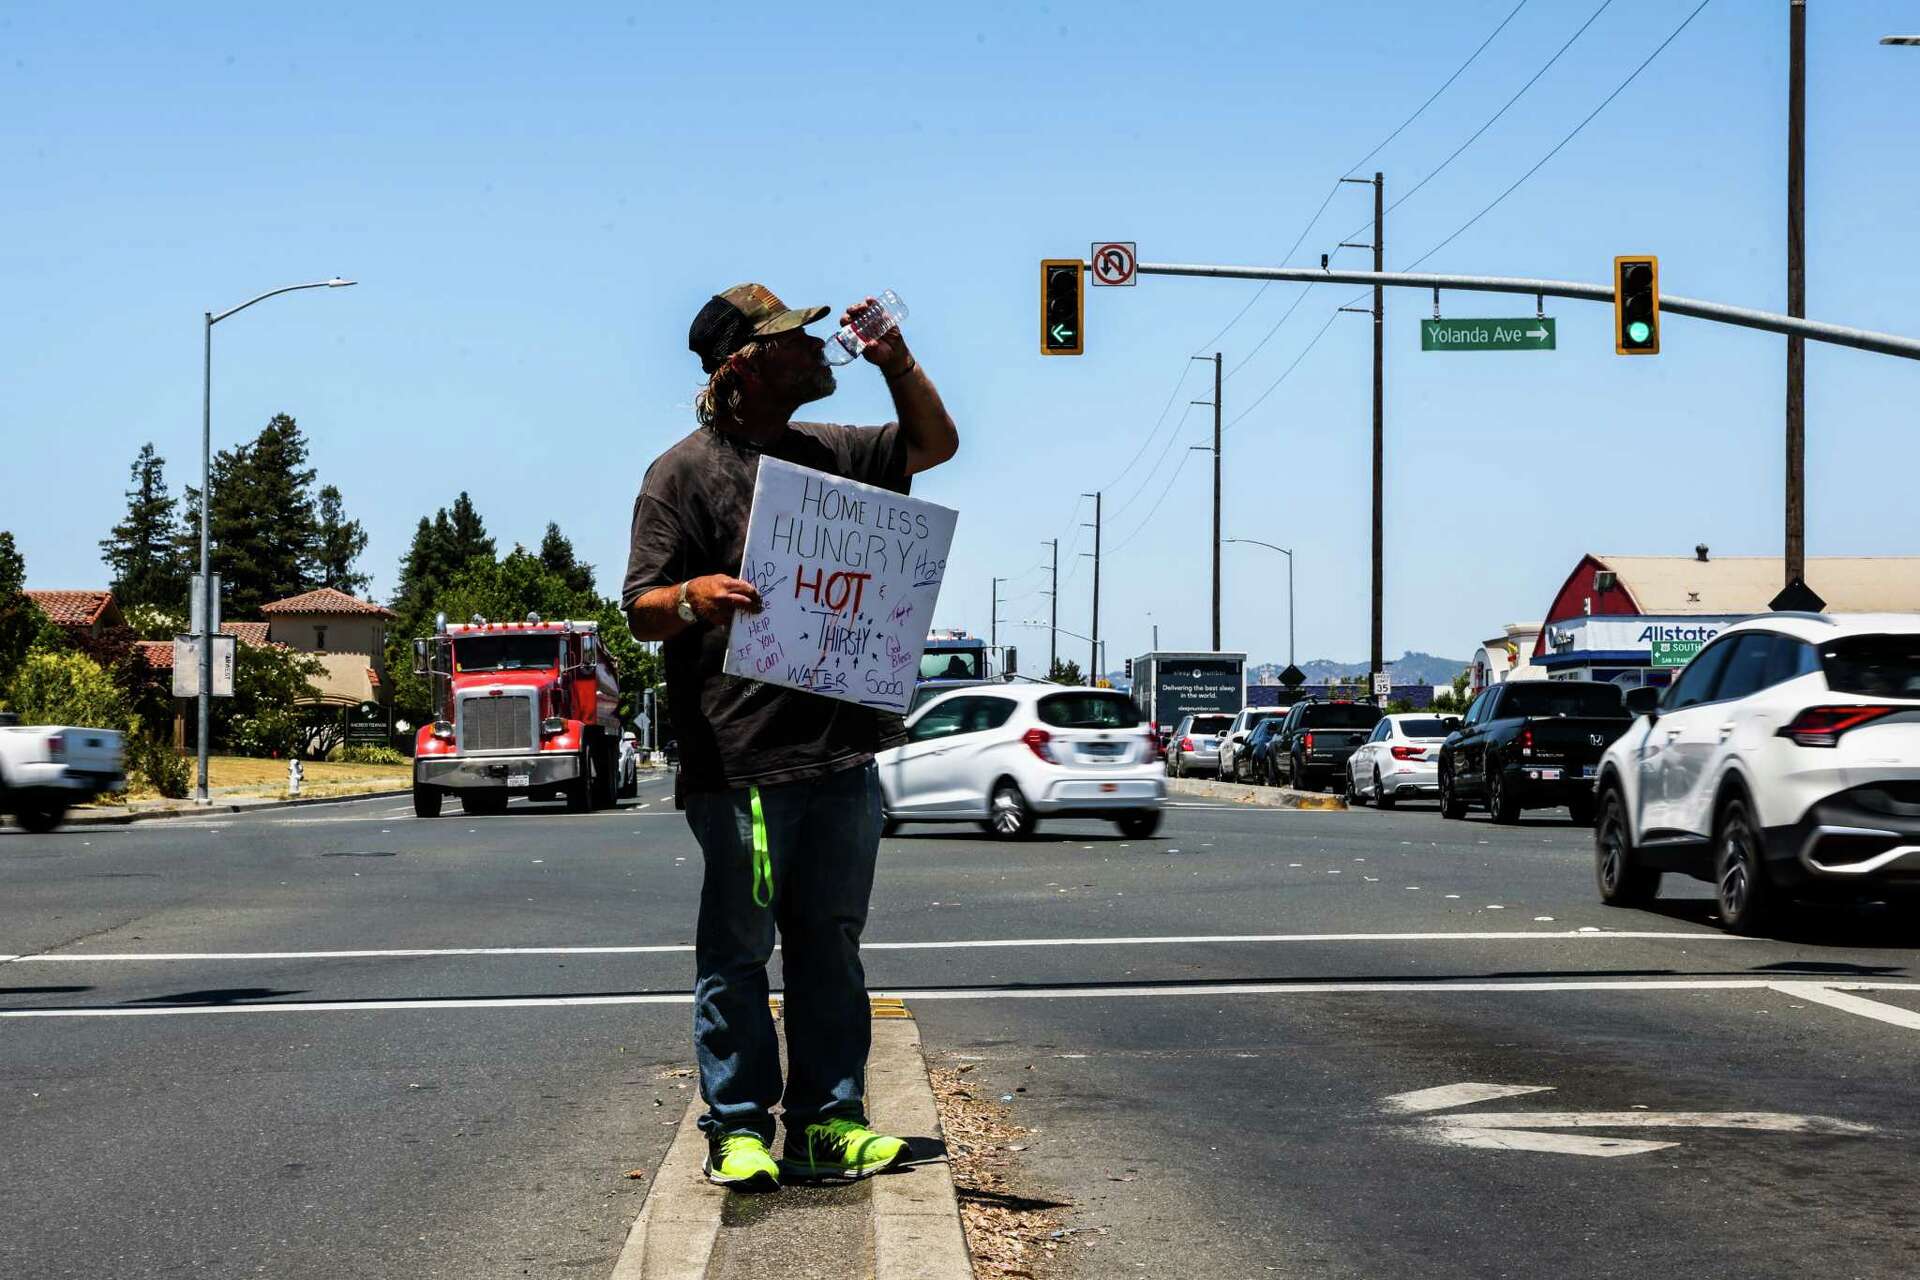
[{"x": 762, "y": 863}]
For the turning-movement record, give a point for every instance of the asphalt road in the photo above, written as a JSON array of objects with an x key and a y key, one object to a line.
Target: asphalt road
[{"x": 1227, "y": 1038}]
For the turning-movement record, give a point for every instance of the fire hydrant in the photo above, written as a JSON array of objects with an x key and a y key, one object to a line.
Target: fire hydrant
[{"x": 293, "y": 775}]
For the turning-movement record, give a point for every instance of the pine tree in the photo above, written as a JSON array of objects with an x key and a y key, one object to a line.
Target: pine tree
[
  {"x": 20, "y": 618},
  {"x": 142, "y": 552},
  {"x": 469, "y": 533},
  {"x": 338, "y": 542},
  {"x": 263, "y": 519},
  {"x": 556, "y": 554}
]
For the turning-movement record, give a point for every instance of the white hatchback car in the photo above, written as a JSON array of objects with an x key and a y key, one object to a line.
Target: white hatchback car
[
  {"x": 1007, "y": 755},
  {"x": 1784, "y": 761},
  {"x": 1399, "y": 760}
]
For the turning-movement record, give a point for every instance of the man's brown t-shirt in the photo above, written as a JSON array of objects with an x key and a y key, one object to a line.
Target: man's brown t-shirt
[{"x": 690, "y": 520}]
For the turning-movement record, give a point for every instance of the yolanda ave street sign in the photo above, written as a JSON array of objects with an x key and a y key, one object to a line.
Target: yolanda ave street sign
[{"x": 1526, "y": 334}]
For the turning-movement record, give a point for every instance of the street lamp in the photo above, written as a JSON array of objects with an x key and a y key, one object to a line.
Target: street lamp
[
  {"x": 1289, "y": 555},
  {"x": 1098, "y": 647},
  {"x": 207, "y": 629}
]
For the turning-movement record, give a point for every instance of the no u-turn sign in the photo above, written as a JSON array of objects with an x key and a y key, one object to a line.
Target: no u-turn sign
[{"x": 1114, "y": 262}]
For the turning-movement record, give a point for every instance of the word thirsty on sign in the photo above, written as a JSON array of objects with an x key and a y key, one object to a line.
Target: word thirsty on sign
[{"x": 848, "y": 575}]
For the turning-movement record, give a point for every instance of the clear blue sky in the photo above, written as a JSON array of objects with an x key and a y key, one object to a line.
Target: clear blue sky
[{"x": 537, "y": 201}]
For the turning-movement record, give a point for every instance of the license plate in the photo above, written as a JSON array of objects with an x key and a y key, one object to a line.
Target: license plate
[
  {"x": 519, "y": 779},
  {"x": 1586, "y": 771},
  {"x": 1102, "y": 749},
  {"x": 1549, "y": 775}
]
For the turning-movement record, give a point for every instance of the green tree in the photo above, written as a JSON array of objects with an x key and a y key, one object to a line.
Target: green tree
[
  {"x": 20, "y": 619},
  {"x": 142, "y": 550},
  {"x": 1065, "y": 671},
  {"x": 263, "y": 717},
  {"x": 1454, "y": 703},
  {"x": 556, "y": 553},
  {"x": 337, "y": 544},
  {"x": 66, "y": 688},
  {"x": 469, "y": 537},
  {"x": 639, "y": 666}
]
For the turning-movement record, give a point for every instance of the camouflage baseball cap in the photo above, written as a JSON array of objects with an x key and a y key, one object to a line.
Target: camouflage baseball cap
[{"x": 732, "y": 319}]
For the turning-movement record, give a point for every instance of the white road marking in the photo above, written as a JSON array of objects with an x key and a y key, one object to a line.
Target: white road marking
[
  {"x": 963, "y": 944},
  {"x": 1465, "y": 1094},
  {"x": 975, "y": 993},
  {"x": 1874, "y": 1009},
  {"x": 1518, "y": 1130}
]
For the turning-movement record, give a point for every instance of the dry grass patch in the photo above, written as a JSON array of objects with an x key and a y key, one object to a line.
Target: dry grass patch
[{"x": 1011, "y": 1232}]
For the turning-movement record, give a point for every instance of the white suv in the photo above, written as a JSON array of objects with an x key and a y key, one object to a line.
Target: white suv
[
  {"x": 1005, "y": 755},
  {"x": 1784, "y": 761}
]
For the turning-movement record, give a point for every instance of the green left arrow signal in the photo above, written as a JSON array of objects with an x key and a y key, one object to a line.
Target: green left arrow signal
[{"x": 1062, "y": 334}]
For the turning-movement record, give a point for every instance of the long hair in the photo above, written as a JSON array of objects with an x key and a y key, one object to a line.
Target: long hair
[{"x": 721, "y": 399}]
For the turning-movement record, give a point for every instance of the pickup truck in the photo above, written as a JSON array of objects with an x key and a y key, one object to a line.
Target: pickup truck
[
  {"x": 1316, "y": 740},
  {"x": 1530, "y": 744},
  {"x": 47, "y": 769}
]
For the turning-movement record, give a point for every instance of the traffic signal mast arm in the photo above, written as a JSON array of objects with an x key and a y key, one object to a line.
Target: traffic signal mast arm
[{"x": 1840, "y": 335}]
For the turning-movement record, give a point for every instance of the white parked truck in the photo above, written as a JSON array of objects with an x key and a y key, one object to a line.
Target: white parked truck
[{"x": 47, "y": 769}]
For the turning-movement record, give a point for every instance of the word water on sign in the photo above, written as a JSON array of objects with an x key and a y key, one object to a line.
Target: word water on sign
[
  {"x": 1487, "y": 335},
  {"x": 848, "y": 575}
]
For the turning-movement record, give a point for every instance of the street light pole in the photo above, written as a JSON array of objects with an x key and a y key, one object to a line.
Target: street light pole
[
  {"x": 1093, "y": 642},
  {"x": 1289, "y": 555},
  {"x": 204, "y": 709},
  {"x": 1796, "y": 540}
]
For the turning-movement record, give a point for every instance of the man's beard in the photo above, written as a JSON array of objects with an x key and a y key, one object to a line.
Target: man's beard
[{"x": 816, "y": 384}]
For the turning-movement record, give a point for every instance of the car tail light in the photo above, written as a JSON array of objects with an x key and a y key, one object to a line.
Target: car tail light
[
  {"x": 1153, "y": 746},
  {"x": 57, "y": 747},
  {"x": 1409, "y": 753},
  {"x": 1526, "y": 742},
  {"x": 1307, "y": 742},
  {"x": 1039, "y": 741},
  {"x": 1822, "y": 726},
  {"x": 1186, "y": 744}
]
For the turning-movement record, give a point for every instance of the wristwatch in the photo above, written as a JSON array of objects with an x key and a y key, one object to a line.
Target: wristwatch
[{"x": 684, "y": 609}]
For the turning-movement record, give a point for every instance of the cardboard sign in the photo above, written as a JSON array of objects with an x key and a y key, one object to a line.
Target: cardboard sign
[{"x": 848, "y": 574}]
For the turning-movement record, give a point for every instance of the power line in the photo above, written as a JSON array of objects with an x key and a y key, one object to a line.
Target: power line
[
  {"x": 1154, "y": 510},
  {"x": 1186, "y": 369},
  {"x": 1491, "y": 120},
  {"x": 1172, "y": 439},
  {"x": 1289, "y": 370},
  {"x": 1621, "y": 88},
  {"x": 1334, "y": 189}
]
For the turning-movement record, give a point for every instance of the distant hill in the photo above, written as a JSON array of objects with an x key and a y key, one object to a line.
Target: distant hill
[{"x": 1408, "y": 669}]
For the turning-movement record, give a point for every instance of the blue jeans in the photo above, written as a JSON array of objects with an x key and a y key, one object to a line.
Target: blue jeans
[{"x": 823, "y": 836}]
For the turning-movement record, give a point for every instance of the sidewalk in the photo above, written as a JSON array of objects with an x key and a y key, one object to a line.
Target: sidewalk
[
  {"x": 224, "y": 800},
  {"x": 903, "y": 1225}
]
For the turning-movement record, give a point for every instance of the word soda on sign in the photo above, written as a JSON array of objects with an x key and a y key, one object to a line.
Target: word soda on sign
[{"x": 848, "y": 575}]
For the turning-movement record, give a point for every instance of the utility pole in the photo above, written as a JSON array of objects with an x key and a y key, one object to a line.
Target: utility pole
[
  {"x": 1215, "y": 402},
  {"x": 1377, "y": 659},
  {"x": 1796, "y": 548},
  {"x": 993, "y": 628},
  {"x": 1093, "y": 644},
  {"x": 1053, "y": 611}
]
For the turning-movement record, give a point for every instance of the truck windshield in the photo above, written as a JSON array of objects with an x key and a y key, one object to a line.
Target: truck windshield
[
  {"x": 1340, "y": 715},
  {"x": 951, "y": 664},
  {"x": 1548, "y": 698},
  {"x": 505, "y": 653}
]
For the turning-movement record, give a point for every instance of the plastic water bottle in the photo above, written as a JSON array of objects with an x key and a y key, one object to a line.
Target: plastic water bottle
[{"x": 876, "y": 323}]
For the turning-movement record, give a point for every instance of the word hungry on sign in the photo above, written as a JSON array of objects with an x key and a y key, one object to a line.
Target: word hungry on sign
[{"x": 849, "y": 574}]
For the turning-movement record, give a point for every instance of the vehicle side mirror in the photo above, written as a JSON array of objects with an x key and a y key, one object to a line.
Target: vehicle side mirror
[
  {"x": 1451, "y": 724},
  {"x": 1012, "y": 662},
  {"x": 1643, "y": 701},
  {"x": 422, "y": 657},
  {"x": 589, "y": 649}
]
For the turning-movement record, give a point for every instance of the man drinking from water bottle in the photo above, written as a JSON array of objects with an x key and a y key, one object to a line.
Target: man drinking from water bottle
[{"x": 778, "y": 785}]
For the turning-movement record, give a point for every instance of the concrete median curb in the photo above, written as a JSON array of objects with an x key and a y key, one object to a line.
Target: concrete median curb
[
  {"x": 1245, "y": 793},
  {"x": 917, "y": 1233}
]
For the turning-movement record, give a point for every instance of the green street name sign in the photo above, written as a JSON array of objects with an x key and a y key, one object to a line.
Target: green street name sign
[
  {"x": 1526, "y": 334},
  {"x": 1675, "y": 653}
]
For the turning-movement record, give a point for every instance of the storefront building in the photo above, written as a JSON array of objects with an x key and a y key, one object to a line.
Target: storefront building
[{"x": 1636, "y": 620}]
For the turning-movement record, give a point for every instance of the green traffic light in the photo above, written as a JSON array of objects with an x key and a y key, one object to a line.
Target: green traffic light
[{"x": 1639, "y": 331}]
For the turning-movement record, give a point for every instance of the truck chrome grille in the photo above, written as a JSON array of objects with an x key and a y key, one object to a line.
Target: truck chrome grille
[{"x": 504, "y": 723}]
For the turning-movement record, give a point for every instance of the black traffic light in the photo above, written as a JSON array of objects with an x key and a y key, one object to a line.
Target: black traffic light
[
  {"x": 1129, "y": 668},
  {"x": 1062, "y": 308},
  {"x": 1636, "y": 306}
]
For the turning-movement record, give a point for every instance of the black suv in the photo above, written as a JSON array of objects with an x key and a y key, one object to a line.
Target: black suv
[{"x": 1312, "y": 747}]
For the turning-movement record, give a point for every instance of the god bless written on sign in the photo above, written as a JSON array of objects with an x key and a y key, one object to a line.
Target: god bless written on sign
[{"x": 848, "y": 574}]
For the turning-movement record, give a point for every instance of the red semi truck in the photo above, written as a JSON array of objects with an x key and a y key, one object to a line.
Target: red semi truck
[{"x": 528, "y": 708}]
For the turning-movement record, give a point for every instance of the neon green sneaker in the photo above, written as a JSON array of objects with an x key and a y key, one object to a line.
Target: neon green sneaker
[
  {"x": 741, "y": 1161},
  {"x": 840, "y": 1149}
]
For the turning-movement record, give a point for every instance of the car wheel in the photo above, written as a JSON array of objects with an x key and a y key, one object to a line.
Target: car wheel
[
  {"x": 1009, "y": 818},
  {"x": 1353, "y": 796},
  {"x": 1381, "y": 796},
  {"x": 1451, "y": 806},
  {"x": 1616, "y": 863},
  {"x": 1139, "y": 825},
  {"x": 427, "y": 801},
  {"x": 1747, "y": 898},
  {"x": 1502, "y": 804},
  {"x": 39, "y": 818}
]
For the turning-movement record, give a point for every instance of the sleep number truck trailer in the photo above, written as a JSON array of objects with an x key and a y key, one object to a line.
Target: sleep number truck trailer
[{"x": 1167, "y": 686}]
